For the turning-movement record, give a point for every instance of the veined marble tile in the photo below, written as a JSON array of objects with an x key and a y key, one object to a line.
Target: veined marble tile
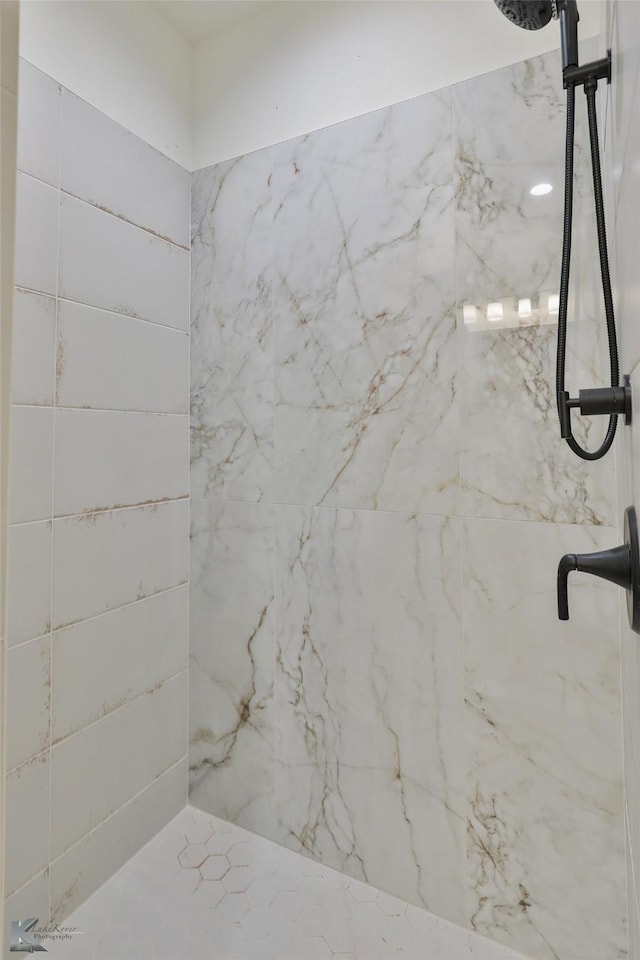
[
  {"x": 628, "y": 209},
  {"x": 509, "y": 135},
  {"x": 231, "y": 330},
  {"x": 499, "y": 133},
  {"x": 364, "y": 328},
  {"x": 624, "y": 92},
  {"x": 232, "y": 662},
  {"x": 369, "y": 698},
  {"x": 514, "y": 465},
  {"x": 376, "y": 825},
  {"x": 622, "y": 150},
  {"x": 367, "y": 771},
  {"x": 545, "y": 834}
]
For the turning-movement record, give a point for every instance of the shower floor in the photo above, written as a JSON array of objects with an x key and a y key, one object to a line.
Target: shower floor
[{"x": 203, "y": 889}]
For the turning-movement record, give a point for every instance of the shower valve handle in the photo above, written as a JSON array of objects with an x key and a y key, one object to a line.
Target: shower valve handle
[
  {"x": 597, "y": 401},
  {"x": 619, "y": 565}
]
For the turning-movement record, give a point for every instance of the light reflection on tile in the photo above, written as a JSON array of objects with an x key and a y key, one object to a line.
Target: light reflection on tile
[{"x": 508, "y": 134}]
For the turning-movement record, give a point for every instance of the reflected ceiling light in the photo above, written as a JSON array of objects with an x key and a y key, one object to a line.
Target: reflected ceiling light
[
  {"x": 524, "y": 307},
  {"x": 469, "y": 313},
  {"x": 553, "y": 302},
  {"x": 541, "y": 189},
  {"x": 494, "y": 311}
]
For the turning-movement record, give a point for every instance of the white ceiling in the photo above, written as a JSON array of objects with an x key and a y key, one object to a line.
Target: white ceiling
[{"x": 198, "y": 20}]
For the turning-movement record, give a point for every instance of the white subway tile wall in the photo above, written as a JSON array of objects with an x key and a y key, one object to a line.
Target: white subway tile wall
[
  {"x": 36, "y": 264},
  {"x": 110, "y": 263},
  {"x": 107, "y": 165},
  {"x": 91, "y": 861},
  {"x": 118, "y": 756},
  {"x": 27, "y": 851},
  {"x": 101, "y": 356},
  {"x": 34, "y": 347},
  {"x": 29, "y": 589},
  {"x": 98, "y": 543}
]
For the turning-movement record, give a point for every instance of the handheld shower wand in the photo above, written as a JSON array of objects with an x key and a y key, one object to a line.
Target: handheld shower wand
[{"x": 614, "y": 400}]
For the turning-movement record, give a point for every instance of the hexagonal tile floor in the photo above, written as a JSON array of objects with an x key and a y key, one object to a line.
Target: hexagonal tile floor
[{"x": 203, "y": 889}]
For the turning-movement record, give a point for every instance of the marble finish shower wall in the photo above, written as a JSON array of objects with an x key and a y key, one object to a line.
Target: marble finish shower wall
[
  {"x": 98, "y": 554},
  {"x": 378, "y": 677},
  {"x": 622, "y": 153}
]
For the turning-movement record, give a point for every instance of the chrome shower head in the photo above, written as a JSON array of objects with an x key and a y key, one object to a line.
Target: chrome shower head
[{"x": 528, "y": 14}]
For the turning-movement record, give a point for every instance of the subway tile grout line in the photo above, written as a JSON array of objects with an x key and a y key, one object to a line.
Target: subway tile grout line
[
  {"x": 92, "y": 306},
  {"x": 53, "y": 473},
  {"x": 407, "y": 514},
  {"x": 40, "y": 873},
  {"x": 114, "y": 813},
  {"x": 111, "y": 713},
  {"x": 45, "y": 183},
  {"x": 122, "y": 606},
  {"x": 96, "y": 513},
  {"x": 98, "y": 616},
  {"x": 142, "y": 505},
  {"x": 188, "y": 544},
  {"x": 25, "y": 763},
  {"x": 30, "y": 523},
  {"x": 124, "y": 219},
  {"x": 23, "y": 643},
  {"x": 117, "y": 313},
  {"x": 123, "y": 410},
  {"x": 88, "y": 514},
  {"x": 96, "y": 206},
  {"x": 36, "y": 293},
  {"x": 310, "y": 506}
]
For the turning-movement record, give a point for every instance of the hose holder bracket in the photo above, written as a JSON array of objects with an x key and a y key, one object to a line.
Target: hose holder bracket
[
  {"x": 574, "y": 76},
  {"x": 598, "y": 401}
]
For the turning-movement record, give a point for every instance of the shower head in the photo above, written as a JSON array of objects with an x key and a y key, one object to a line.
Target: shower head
[
  {"x": 528, "y": 14},
  {"x": 535, "y": 14}
]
